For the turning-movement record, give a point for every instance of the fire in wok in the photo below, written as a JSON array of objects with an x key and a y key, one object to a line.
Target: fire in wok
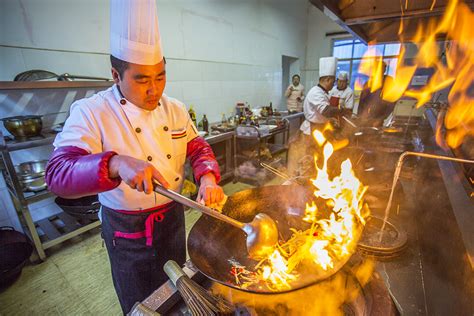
[{"x": 319, "y": 230}]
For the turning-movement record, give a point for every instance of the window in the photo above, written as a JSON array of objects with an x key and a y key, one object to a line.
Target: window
[{"x": 350, "y": 52}]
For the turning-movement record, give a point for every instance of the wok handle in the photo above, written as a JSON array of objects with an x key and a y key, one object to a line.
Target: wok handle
[{"x": 195, "y": 205}]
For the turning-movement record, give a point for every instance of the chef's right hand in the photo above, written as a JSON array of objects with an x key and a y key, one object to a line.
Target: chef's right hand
[{"x": 138, "y": 174}]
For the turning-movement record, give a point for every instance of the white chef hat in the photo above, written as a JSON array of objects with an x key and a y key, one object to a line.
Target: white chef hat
[
  {"x": 327, "y": 66},
  {"x": 134, "y": 32},
  {"x": 342, "y": 75}
]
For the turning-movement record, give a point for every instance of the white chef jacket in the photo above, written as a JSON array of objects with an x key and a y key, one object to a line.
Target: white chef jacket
[
  {"x": 101, "y": 123},
  {"x": 346, "y": 97},
  {"x": 292, "y": 103},
  {"x": 315, "y": 103}
]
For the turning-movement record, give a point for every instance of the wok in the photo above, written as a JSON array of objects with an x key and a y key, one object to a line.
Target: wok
[{"x": 212, "y": 244}]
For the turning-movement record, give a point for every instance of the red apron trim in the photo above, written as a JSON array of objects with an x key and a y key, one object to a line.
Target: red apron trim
[
  {"x": 118, "y": 234},
  {"x": 157, "y": 215}
]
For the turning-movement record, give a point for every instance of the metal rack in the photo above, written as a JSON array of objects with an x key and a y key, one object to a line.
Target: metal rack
[
  {"x": 47, "y": 232},
  {"x": 223, "y": 146},
  {"x": 255, "y": 137}
]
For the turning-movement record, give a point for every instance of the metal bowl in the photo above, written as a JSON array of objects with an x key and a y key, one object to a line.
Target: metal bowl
[
  {"x": 23, "y": 126},
  {"x": 31, "y": 169},
  {"x": 33, "y": 184}
]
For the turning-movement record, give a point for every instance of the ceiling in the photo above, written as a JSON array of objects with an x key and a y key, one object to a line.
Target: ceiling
[{"x": 379, "y": 20}]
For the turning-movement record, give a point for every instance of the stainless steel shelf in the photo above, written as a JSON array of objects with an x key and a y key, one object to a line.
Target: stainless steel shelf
[{"x": 24, "y": 199}]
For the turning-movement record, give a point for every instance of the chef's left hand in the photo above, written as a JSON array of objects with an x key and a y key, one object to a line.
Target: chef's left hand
[{"x": 209, "y": 191}]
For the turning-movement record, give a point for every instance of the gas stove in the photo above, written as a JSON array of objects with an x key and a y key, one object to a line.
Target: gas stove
[{"x": 354, "y": 290}]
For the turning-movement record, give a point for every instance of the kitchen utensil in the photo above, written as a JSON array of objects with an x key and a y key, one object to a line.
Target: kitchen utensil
[
  {"x": 37, "y": 74},
  {"x": 262, "y": 232},
  {"x": 33, "y": 184},
  {"x": 31, "y": 169},
  {"x": 198, "y": 300},
  {"x": 86, "y": 207},
  {"x": 213, "y": 246},
  {"x": 31, "y": 175},
  {"x": 15, "y": 250},
  {"x": 349, "y": 121},
  {"x": 23, "y": 126}
]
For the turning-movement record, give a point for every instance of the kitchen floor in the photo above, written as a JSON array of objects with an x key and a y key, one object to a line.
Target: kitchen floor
[{"x": 75, "y": 279}]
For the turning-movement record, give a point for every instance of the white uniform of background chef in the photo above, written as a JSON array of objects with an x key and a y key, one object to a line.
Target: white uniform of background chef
[
  {"x": 343, "y": 92},
  {"x": 119, "y": 141},
  {"x": 316, "y": 104}
]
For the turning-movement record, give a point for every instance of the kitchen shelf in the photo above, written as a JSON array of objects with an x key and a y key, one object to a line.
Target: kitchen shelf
[
  {"x": 47, "y": 232},
  {"x": 27, "y": 85},
  {"x": 276, "y": 140},
  {"x": 46, "y": 138},
  {"x": 223, "y": 146}
]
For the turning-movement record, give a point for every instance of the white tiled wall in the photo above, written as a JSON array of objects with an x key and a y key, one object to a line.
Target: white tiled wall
[
  {"x": 218, "y": 52},
  {"x": 317, "y": 44}
]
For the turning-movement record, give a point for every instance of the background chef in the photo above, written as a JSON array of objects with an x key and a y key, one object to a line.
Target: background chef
[
  {"x": 342, "y": 93},
  {"x": 317, "y": 110},
  {"x": 117, "y": 142}
]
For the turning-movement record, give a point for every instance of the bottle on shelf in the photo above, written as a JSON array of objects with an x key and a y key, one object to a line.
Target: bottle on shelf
[
  {"x": 270, "y": 110},
  {"x": 223, "y": 119},
  {"x": 205, "y": 124}
]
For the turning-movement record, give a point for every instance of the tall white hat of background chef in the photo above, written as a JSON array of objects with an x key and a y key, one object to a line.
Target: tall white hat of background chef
[
  {"x": 327, "y": 66},
  {"x": 342, "y": 75},
  {"x": 134, "y": 32}
]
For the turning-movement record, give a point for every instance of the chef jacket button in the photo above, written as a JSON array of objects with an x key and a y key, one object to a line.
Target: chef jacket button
[
  {"x": 177, "y": 179},
  {"x": 165, "y": 128},
  {"x": 168, "y": 156},
  {"x": 138, "y": 129},
  {"x": 123, "y": 101},
  {"x": 159, "y": 103},
  {"x": 149, "y": 158}
]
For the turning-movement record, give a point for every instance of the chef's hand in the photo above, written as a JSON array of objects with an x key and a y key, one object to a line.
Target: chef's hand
[
  {"x": 138, "y": 174},
  {"x": 209, "y": 191}
]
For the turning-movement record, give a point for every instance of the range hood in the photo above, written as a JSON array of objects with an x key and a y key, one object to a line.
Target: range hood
[{"x": 379, "y": 20}]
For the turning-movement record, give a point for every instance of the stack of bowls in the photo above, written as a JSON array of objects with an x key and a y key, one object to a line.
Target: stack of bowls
[{"x": 31, "y": 175}]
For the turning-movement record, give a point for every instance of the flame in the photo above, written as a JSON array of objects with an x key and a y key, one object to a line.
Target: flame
[
  {"x": 456, "y": 70},
  {"x": 331, "y": 239}
]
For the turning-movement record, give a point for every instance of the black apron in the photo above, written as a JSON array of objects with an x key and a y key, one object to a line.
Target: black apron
[{"x": 137, "y": 268}]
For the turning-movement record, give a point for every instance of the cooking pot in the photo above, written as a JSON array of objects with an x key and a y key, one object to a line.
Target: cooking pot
[
  {"x": 23, "y": 126},
  {"x": 15, "y": 250},
  {"x": 214, "y": 246}
]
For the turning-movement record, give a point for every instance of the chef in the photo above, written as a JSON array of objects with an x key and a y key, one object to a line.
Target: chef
[
  {"x": 342, "y": 93},
  {"x": 294, "y": 95},
  {"x": 373, "y": 109},
  {"x": 120, "y": 141},
  {"x": 317, "y": 110}
]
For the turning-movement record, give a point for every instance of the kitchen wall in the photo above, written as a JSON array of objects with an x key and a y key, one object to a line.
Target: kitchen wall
[
  {"x": 317, "y": 45},
  {"x": 218, "y": 51}
]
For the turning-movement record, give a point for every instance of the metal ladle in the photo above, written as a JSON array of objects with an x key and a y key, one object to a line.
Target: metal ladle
[{"x": 262, "y": 231}]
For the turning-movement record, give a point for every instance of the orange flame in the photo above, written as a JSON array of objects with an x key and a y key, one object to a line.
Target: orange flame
[
  {"x": 455, "y": 71},
  {"x": 331, "y": 240}
]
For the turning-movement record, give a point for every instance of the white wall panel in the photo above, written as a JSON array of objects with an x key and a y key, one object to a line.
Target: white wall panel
[{"x": 203, "y": 40}]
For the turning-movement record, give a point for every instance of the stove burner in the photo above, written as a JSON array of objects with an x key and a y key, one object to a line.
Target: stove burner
[{"x": 393, "y": 243}]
